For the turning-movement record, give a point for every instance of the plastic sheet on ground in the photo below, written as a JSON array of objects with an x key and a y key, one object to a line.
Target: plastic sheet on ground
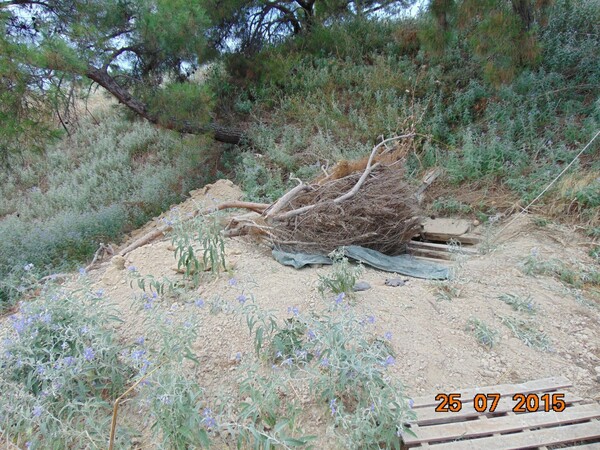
[{"x": 401, "y": 264}]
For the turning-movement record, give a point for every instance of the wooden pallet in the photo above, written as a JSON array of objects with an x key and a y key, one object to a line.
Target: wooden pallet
[
  {"x": 578, "y": 426},
  {"x": 438, "y": 251},
  {"x": 432, "y": 241}
]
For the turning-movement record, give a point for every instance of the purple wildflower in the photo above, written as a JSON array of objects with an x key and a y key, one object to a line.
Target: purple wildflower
[
  {"x": 37, "y": 411},
  {"x": 286, "y": 362},
  {"x": 294, "y": 310},
  {"x": 388, "y": 335},
  {"x": 19, "y": 325},
  {"x": 199, "y": 303},
  {"x": 411, "y": 403},
  {"x": 46, "y": 318},
  {"x": 132, "y": 269},
  {"x": 28, "y": 267},
  {"x": 333, "y": 406},
  {"x": 165, "y": 399},
  {"x": 371, "y": 319},
  {"x": 89, "y": 353},
  {"x": 137, "y": 354},
  {"x": 340, "y": 298},
  {"x": 140, "y": 340},
  {"x": 389, "y": 361},
  {"x": 301, "y": 354},
  {"x": 324, "y": 362},
  {"x": 208, "y": 420},
  {"x": 242, "y": 298},
  {"x": 68, "y": 361},
  {"x": 99, "y": 293},
  {"x": 311, "y": 335},
  {"x": 82, "y": 271},
  {"x": 232, "y": 282}
]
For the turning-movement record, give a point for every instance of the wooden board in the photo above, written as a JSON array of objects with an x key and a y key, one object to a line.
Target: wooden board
[
  {"x": 578, "y": 425},
  {"x": 443, "y": 230},
  {"x": 545, "y": 384},
  {"x": 439, "y": 251}
]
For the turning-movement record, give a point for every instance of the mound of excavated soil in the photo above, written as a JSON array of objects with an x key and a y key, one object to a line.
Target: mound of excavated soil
[{"x": 434, "y": 352}]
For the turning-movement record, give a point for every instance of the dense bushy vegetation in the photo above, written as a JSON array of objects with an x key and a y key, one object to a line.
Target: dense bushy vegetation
[
  {"x": 330, "y": 94},
  {"x": 92, "y": 187}
]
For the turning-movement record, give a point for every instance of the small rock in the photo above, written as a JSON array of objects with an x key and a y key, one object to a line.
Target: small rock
[
  {"x": 488, "y": 374},
  {"x": 395, "y": 282},
  {"x": 118, "y": 262},
  {"x": 597, "y": 369},
  {"x": 361, "y": 286}
]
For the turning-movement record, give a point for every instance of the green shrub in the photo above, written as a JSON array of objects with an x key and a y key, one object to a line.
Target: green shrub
[
  {"x": 343, "y": 276},
  {"x": 485, "y": 335},
  {"x": 103, "y": 181},
  {"x": 61, "y": 369},
  {"x": 343, "y": 364}
]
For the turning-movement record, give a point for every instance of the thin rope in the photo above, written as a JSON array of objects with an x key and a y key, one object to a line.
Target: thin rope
[{"x": 550, "y": 185}]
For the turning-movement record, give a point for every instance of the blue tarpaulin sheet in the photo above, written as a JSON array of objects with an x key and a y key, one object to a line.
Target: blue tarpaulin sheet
[{"x": 401, "y": 264}]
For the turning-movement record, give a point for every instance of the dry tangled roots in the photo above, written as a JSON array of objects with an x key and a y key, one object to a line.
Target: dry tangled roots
[
  {"x": 382, "y": 215},
  {"x": 374, "y": 208}
]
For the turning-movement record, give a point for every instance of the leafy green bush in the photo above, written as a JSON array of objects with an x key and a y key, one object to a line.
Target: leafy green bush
[
  {"x": 343, "y": 276},
  {"x": 199, "y": 246},
  {"x": 61, "y": 368},
  {"x": 486, "y": 336},
  {"x": 519, "y": 304},
  {"x": 342, "y": 363},
  {"x": 529, "y": 332},
  {"x": 93, "y": 187}
]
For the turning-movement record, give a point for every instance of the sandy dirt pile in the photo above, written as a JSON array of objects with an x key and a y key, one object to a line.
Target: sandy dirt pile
[{"x": 434, "y": 351}]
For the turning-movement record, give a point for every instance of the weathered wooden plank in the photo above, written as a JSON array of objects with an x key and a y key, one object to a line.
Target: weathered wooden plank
[
  {"x": 430, "y": 253},
  {"x": 446, "y": 228},
  {"x": 441, "y": 247},
  {"x": 546, "y": 436},
  {"x": 428, "y": 416},
  {"x": 504, "y": 424},
  {"x": 594, "y": 446},
  {"x": 544, "y": 384},
  {"x": 425, "y": 258},
  {"x": 469, "y": 239}
]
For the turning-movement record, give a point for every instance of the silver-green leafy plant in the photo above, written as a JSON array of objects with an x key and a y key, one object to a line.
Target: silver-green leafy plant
[
  {"x": 485, "y": 335},
  {"x": 519, "y": 304},
  {"x": 337, "y": 357},
  {"x": 60, "y": 370},
  {"x": 343, "y": 276},
  {"x": 199, "y": 246},
  {"x": 169, "y": 393},
  {"x": 529, "y": 332}
]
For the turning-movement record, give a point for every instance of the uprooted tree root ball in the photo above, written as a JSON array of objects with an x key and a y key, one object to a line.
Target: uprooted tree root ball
[
  {"x": 373, "y": 208},
  {"x": 382, "y": 215}
]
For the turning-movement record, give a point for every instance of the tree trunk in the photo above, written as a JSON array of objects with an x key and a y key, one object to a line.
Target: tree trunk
[
  {"x": 220, "y": 133},
  {"x": 524, "y": 10}
]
